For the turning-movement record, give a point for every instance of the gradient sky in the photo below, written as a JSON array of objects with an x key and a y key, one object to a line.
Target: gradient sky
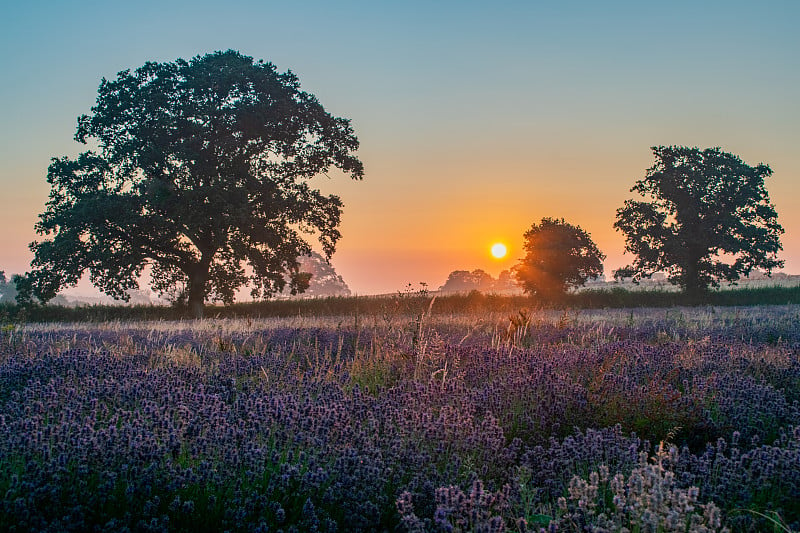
[{"x": 476, "y": 119}]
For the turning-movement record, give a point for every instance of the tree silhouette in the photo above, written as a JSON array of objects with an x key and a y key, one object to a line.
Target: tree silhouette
[
  {"x": 7, "y": 289},
  {"x": 466, "y": 281},
  {"x": 558, "y": 256},
  {"x": 203, "y": 169},
  {"x": 707, "y": 217},
  {"x": 323, "y": 279}
]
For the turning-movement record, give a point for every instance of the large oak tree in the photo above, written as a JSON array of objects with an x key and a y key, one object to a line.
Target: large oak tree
[
  {"x": 203, "y": 168},
  {"x": 706, "y": 217}
]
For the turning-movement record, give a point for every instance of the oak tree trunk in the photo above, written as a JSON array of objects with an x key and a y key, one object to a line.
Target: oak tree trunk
[
  {"x": 693, "y": 286},
  {"x": 197, "y": 293}
]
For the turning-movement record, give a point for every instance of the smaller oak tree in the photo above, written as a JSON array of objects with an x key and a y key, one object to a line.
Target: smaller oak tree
[
  {"x": 558, "y": 256},
  {"x": 707, "y": 217}
]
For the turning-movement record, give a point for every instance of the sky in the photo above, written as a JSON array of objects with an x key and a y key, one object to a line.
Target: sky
[{"x": 476, "y": 119}]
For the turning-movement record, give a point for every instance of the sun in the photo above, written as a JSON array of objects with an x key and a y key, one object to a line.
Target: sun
[{"x": 499, "y": 250}]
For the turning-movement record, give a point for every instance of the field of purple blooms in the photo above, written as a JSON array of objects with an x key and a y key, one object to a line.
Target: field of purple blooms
[{"x": 646, "y": 420}]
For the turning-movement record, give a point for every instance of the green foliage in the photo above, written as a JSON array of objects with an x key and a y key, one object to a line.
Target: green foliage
[
  {"x": 558, "y": 256},
  {"x": 770, "y": 519},
  {"x": 203, "y": 167},
  {"x": 706, "y": 218},
  {"x": 377, "y": 370}
]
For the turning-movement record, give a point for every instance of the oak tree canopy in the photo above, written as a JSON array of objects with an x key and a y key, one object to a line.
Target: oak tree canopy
[
  {"x": 706, "y": 217},
  {"x": 558, "y": 256},
  {"x": 202, "y": 168}
]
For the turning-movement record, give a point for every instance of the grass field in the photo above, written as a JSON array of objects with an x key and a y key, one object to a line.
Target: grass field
[{"x": 406, "y": 414}]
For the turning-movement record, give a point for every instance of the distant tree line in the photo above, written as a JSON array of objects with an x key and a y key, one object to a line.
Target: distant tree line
[
  {"x": 323, "y": 281},
  {"x": 479, "y": 280},
  {"x": 8, "y": 291}
]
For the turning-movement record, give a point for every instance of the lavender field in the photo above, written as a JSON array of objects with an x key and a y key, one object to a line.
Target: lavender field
[{"x": 648, "y": 420}]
